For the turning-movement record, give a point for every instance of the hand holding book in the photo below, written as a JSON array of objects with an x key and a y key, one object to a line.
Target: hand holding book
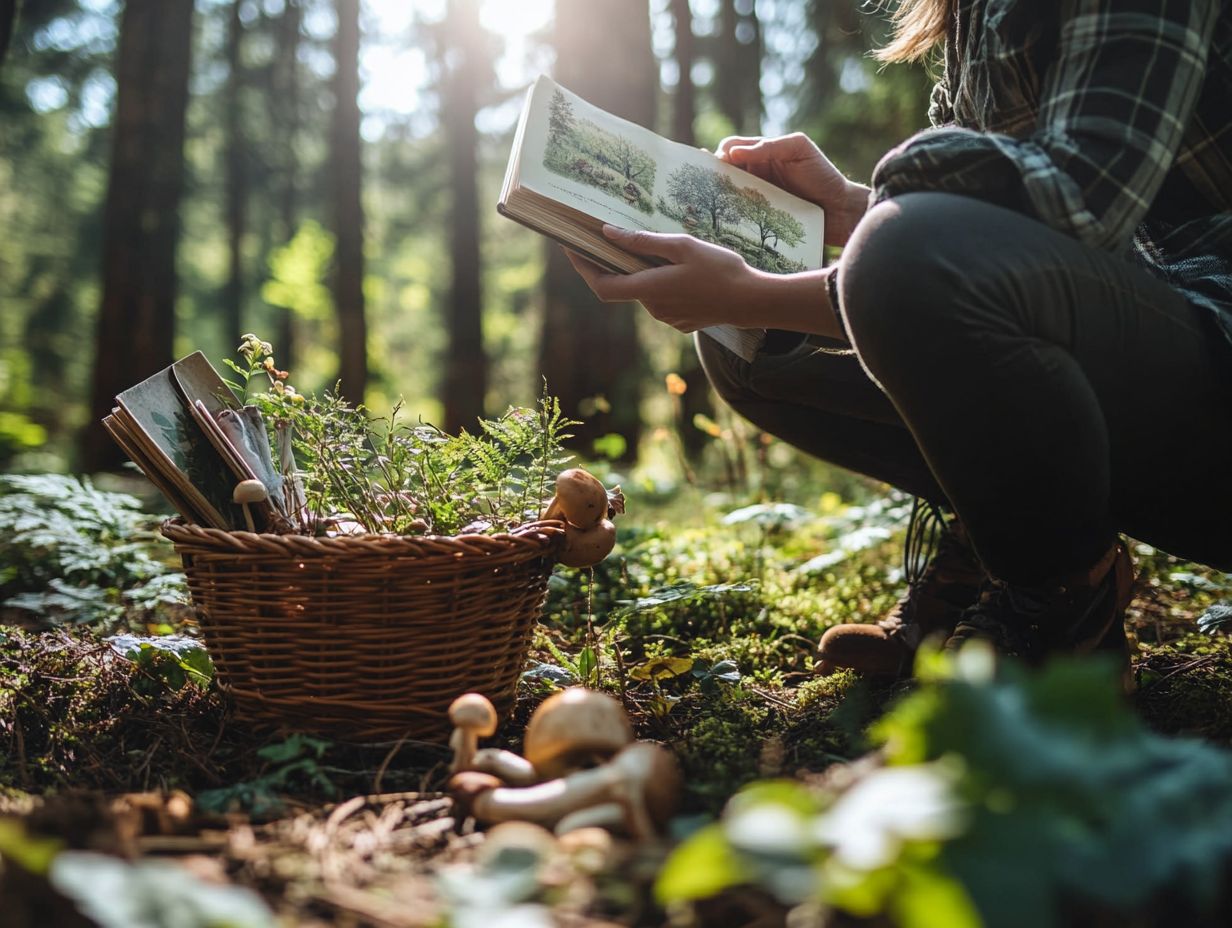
[
  {"x": 706, "y": 287},
  {"x": 794, "y": 163},
  {"x": 574, "y": 168}
]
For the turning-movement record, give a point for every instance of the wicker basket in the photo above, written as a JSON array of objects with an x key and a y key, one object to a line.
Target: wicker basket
[{"x": 366, "y": 638}]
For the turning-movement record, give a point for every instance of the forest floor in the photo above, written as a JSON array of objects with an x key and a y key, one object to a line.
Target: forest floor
[{"x": 704, "y": 623}]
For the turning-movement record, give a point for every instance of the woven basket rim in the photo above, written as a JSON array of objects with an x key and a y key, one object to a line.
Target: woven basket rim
[{"x": 543, "y": 536}]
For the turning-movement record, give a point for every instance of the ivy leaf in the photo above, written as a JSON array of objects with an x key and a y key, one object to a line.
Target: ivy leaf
[
  {"x": 662, "y": 668},
  {"x": 549, "y": 673},
  {"x": 1216, "y": 618},
  {"x": 721, "y": 672}
]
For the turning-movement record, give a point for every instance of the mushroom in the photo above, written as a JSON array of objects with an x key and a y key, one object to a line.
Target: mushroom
[
  {"x": 473, "y": 717},
  {"x": 517, "y": 839},
  {"x": 589, "y": 849},
  {"x": 643, "y": 780},
  {"x": 511, "y": 768},
  {"x": 467, "y": 788},
  {"x": 246, "y": 493},
  {"x": 606, "y": 815},
  {"x": 587, "y": 547},
  {"x": 575, "y": 728},
  {"x": 580, "y": 499},
  {"x": 648, "y": 787}
]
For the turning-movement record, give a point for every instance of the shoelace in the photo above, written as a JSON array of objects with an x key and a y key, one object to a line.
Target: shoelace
[
  {"x": 925, "y": 528},
  {"x": 1008, "y": 615}
]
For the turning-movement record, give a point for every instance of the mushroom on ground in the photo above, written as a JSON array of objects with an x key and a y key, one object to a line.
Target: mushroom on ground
[
  {"x": 643, "y": 780},
  {"x": 473, "y": 717},
  {"x": 648, "y": 787},
  {"x": 246, "y": 493},
  {"x": 587, "y": 547},
  {"x": 511, "y": 768},
  {"x": 516, "y": 838},
  {"x": 606, "y": 815},
  {"x": 580, "y": 499},
  {"x": 589, "y": 849},
  {"x": 575, "y": 728}
]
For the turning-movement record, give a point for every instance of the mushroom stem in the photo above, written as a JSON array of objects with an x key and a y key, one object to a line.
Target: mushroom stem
[
  {"x": 246, "y": 493},
  {"x": 605, "y": 815},
  {"x": 473, "y": 717},
  {"x": 514, "y": 769},
  {"x": 642, "y": 780},
  {"x": 463, "y": 743},
  {"x": 546, "y": 803}
]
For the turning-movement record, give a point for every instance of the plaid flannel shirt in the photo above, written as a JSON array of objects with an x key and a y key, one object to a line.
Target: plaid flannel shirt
[{"x": 1109, "y": 120}]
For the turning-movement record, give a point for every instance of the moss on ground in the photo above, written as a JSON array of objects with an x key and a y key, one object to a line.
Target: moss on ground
[
  {"x": 682, "y": 585},
  {"x": 1185, "y": 687}
]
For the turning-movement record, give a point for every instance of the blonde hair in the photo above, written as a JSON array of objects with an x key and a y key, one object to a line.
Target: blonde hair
[{"x": 918, "y": 26}]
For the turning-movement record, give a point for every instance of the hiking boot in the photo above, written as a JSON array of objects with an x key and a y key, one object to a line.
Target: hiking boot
[
  {"x": 1081, "y": 613},
  {"x": 939, "y": 588}
]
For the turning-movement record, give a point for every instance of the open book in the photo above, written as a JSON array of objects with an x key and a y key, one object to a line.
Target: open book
[
  {"x": 187, "y": 432},
  {"x": 575, "y": 167}
]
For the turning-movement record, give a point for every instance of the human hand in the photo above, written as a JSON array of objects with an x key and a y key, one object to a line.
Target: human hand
[
  {"x": 707, "y": 285},
  {"x": 795, "y": 164},
  {"x": 703, "y": 285}
]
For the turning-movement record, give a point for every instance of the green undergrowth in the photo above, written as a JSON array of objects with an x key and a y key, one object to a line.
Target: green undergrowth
[{"x": 704, "y": 622}]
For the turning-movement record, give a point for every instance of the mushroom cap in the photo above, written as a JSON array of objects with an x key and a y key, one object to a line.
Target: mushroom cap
[
  {"x": 250, "y": 491},
  {"x": 572, "y": 725},
  {"x": 585, "y": 547},
  {"x": 582, "y": 498},
  {"x": 516, "y": 840},
  {"x": 474, "y": 711},
  {"x": 468, "y": 785}
]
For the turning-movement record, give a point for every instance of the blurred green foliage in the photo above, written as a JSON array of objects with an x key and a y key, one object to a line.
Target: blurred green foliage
[
  {"x": 56, "y": 102},
  {"x": 1009, "y": 800}
]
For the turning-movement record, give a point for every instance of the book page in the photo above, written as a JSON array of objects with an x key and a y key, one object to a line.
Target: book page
[
  {"x": 621, "y": 173},
  {"x": 159, "y": 415}
]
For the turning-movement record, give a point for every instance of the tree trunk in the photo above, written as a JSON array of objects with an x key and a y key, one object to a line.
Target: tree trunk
[
  {"x": 737, "y": 56},
  {"x": 284, "y": 111},
  {"x": 141, "y": 214},
  {"x": 684, "y": 104},
  {"x": 348, "y": 208},
  {"x": 589, "y": 351},
  {"x": 466, "y": 367},
  {"x": 697, "y": 399},
  {"x": 8, "y": 16},
  {"x": 235, "y": 169}
]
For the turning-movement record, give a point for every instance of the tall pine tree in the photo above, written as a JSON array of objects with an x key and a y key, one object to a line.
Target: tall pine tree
[
  {"x": 465, "y": 77},
  {"x": 348, "y": 214},
  {"x": 141, "y": 216},
  {"x": 589, "y": 352}
]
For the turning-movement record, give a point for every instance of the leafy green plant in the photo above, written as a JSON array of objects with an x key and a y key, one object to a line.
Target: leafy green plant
[
  {"x": 391, "y": 476},
  {"x": 663, "y": 668},
  {"x": 1049, "y": 775},
  {"x": 72, "y": 553},
  {"x": 295, "y": 762},
  {"x": 168, "y": 661},
  {"x": 1216, "y": 618}
]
